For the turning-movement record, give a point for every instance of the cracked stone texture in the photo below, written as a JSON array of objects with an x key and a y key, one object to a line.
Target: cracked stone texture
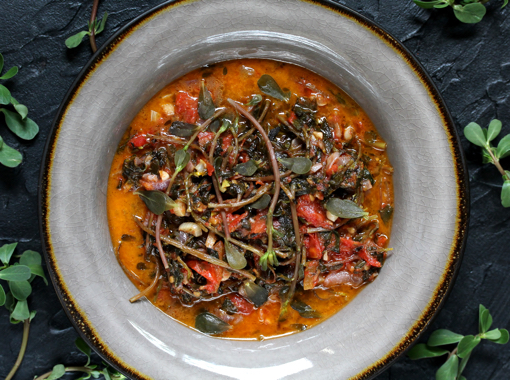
[{"x": 469, "y": 64}]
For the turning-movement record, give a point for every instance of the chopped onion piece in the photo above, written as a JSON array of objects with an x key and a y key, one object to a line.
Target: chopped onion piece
[
  {"x": 191, "y": 228},
  {"x": 315, "y": 167},
  {"x": 331, "y": 217},
  {"x": 168, "y": 109},
  {"x": 211, "y": 240},
  {"x": 179, "y": 209},
  {"x": 155, "y": 116}
]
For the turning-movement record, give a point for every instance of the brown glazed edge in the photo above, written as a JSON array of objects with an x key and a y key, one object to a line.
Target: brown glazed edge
[{"x": 443, "y": 288}]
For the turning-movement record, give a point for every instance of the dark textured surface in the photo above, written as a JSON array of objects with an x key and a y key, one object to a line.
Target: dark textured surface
[{"x": 470, "y": 64}]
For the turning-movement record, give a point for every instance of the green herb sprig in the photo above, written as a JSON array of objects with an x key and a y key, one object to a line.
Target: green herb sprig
[
  {"x": 94, "y": 28},
  {"x": 483, "y": 137},
  {"x": 19, "y": 277},
  {"x": 90, "y": 370},
  {"x": 467, "y": 11},
  {"x": 459, "y": 356},
  {"x": 17, "y": 121}
]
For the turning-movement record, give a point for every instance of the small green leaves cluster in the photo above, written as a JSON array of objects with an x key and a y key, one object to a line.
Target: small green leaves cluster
[
  {"x": 97, "y": 26},
  {"x": 268, "y": 86},
  {"x": 483, "y": 137},
  {"x": 268, "y": 257},
  {"x": 457, "y": 358},
  {"x": 89, "y": 370},
  {"x": 17, "y": 120},
  {"x": 467, "y": 11},
  {"x": 18, "y": 277}
]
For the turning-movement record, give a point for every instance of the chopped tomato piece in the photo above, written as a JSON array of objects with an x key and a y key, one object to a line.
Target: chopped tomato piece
[
  {"x": 234, "y": 221},
  {"x": 212, "y": 273},
  {"x": 314, "y": 246},
  {"x": 186, "y": 107},
  {"x": 292, "y": 118},
  {"x": 371, "y": 260},
  {"x": 137, "y": 141},
  {"x": 381, "y": 240},
  {"x": 312, "y": 212},
  {"x": 242, "y": 306},
  {"x": 210, "y": 168},
  {"x": 258, "y": 225},
  {"x": 311, "y": 274},
  {"x": 204, "y": 138},
  {"x": 346, "y": 250},
  {"x": 226, "y": 142}
]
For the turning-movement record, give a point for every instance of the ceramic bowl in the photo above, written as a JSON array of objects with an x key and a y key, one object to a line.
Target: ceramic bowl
[{"x": 431, "y": 199}]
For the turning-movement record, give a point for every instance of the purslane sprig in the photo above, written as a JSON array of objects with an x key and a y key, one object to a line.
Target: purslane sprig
[
  {"x": 94, "y": 28},
  {"x": 467, "y": 11},
  {"x": 16, "y": 119},
  {"x": 458, "y": 357},
  {"x": 19, "y": 277},
  {"x": 89, "y": 370},
  {"x": 483, "y": 137}
]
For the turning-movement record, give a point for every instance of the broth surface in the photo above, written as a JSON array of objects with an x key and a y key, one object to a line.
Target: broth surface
[{"x": 357, "y": 248}]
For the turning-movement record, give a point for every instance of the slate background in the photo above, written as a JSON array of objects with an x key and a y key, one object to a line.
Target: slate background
[{"x": 470, "y": 64}]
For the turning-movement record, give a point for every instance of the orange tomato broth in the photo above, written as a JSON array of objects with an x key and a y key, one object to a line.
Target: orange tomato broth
[{"x": 238, "y": 80}]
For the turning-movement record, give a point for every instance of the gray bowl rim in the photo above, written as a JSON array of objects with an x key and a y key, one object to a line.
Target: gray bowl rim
[{"x": 443, "y": 289}]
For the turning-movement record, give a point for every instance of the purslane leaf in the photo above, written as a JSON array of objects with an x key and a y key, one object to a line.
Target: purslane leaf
[
  {"x": 58, "y": 371},
  {"x": 247, "y": 168},
  {"x": 505, "y": 194},
  {"x": 494, "y": 129},
  {"x": 235, "y": 257},
  {"x": 492, "y": 335},
  {"x": 442, "y": 336},
  {"x": 268, "y": 86},
  {"x": 206, "y": 106},
  {"x": 474, "y": 134},
  {"x": 76, "y": 39},
  {"x": 427, "y": 4},
  {"x": 422, "y": 351},
  {"x": 470, "y": 13},
  {"x": 20, "y": 289},
  {"x": 181, "y": 159},
  {"x": 210, "y": 324},
  {"x": 304, "y": 310},
  {"x": 20, "y": 312},
  {"x": 344, "y": 208},
  {"x": 156, "y": 201},
  {"x": 9, "y": 74},
  {"x": 467, "y": 344},
  {"x": 15, "y": 273},
  {"x": 261, "y": 203},
  {"x": 23, "y": 128},
  {"x": 255, "y": 293},
  {"x": 182, "y": 129},
  {"x": 2, "y": 295},
  {"x": 83, "y": 347},
  {"x": 5, "y": 95},
  {"x": 485, "y": 322},
  {"x": 9, "y": 157},
  {"x": 503, "y": 339},
  {"x": 6, "y": 252},
  {"x": 299, "y": 165},
  {"x": 448, "y": 371},
  {"x": 100, "y": 24},
  {"x": 503, "y": 149}
]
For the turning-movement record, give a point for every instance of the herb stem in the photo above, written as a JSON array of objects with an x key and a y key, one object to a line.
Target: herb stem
[
  {"x": 67, "y": 369},
  {"x": 23, "y": 348},
  {"x": 92, "y": 35},
  {"x": 276, "y": 172},
  {"x": 148, "y": 289},
  {"x": 261, "y": 191},
  {"x": 496, "y": 163}
]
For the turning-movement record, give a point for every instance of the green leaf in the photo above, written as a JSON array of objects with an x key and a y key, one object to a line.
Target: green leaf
[
  {"x": 494, "y": 129},
  {"x": 30, "y": 258},
  {"x": 492, "y": 335},
  {"x": 156, "y": 201},
  {"x": 470, "y": 13},
  {"x": 6, "y": 252},
  {"x": 505, "y": 3},
  {"x": 247, "y": 168},
  {"x": 10, "y": 302},
  {"x": 422, "y": 351},
  {"x": 99, "y": 25},
  {"x": 210, "y": 324},
  {"x": 344, "y": 208},
  {"x": 261, "y": 203},
  {"x": 485, "y": 319},
  {"x": 24, "y": 128},
  {"x": 5, "y": 95},
  {"x": 304, "y": 310},
  {"x": 83, "y": 347},
  {"x": 37, "y": 270},
  {"x": 463, "y": 364},
  {"x": 58, "y": 371},
  {"x": 235, "y": 257},
  {"x": 299, "y": 165},
  {"x": 15, "y": 273},
  {"x": 9, "y": 74},
  {"x": 9, "y": 157},
  {"x": 503, "y": 149},
  {"x": 503, "y": 339},
  {"x": 448, "y": 371},
  {"x": 32, "y": 315},
  {"x": 255, "y": 99},
  {"x": 181, "y": 159},
  {"x": 20, "y": 312},
  {"x": 206, "y": 106},
  {"x": 2, "y": 296},
  {"x": 426, "y": 4},
  {"x": 386, "y": 213},
  {"x": 257, "y": 294},
  {"x": 442, "y": 337},
  {"x": 269, "y": 87},
  {"x": 76, "y": 39},
  {"x": 20, "y": 289},
  {"x": 21, "y": 109},
  {"x": 224, "y": 126},
  {"x": 467, "y": 344},
  {"x": 474, "y": 134},
  {"x": 182, "y": 129}
]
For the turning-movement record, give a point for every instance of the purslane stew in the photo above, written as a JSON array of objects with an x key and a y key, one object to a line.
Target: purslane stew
[{"x": 250, "y": 199}]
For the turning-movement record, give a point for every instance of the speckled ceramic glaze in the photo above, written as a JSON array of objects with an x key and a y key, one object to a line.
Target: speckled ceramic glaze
[{"x": 430, "y": 191}]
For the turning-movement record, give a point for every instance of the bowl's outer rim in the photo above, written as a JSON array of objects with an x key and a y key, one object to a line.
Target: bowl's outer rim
[{"x": 78, "y": 317}]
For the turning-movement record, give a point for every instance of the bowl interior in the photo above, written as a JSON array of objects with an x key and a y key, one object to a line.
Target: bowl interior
[{"x": 138, "y": 338}]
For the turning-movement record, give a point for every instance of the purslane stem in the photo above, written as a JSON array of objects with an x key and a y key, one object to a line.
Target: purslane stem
[
  {"x": 496, "y": 163},
  {"x": 67, "y": 369},
  {"x": 92, "y": 35},
  {"x": 23, "y": 348}
]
